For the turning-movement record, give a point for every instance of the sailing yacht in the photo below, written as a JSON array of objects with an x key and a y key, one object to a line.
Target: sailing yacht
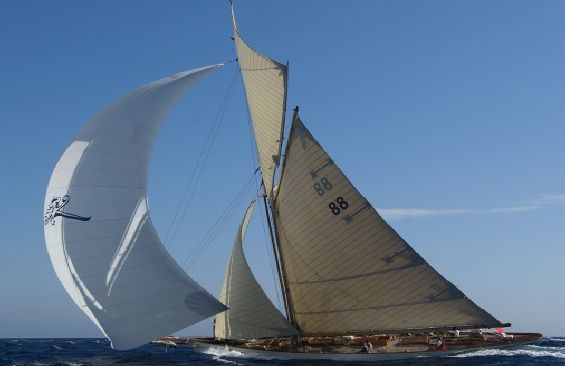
[{"x": 346, "y": 276}]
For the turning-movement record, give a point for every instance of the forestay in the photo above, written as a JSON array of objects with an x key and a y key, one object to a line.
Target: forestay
[
  {"x": 346, "y": 269},
  {"x": 98, "y": 231},
  {"x": 251, "y": 314},
  {"x": 265, "y": 88}
]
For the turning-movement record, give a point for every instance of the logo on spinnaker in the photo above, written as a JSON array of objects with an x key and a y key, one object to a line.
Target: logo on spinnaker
[{"x": 56, "y": 209}]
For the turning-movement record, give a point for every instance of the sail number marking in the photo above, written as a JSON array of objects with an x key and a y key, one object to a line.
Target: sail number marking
[
  {"x": 323, "y": 186},
  {"x": 339, "y": 205}
]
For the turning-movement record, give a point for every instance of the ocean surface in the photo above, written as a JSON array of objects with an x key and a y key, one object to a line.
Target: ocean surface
[{"x": 85, "y": 352}]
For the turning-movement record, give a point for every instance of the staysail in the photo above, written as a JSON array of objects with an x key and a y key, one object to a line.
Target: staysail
[
  {"x": 251, "y": 314},
  {"x": 98, "y": 231},
  {"x": 265, "y": 83},
  {"x": 346, "y": 269}
]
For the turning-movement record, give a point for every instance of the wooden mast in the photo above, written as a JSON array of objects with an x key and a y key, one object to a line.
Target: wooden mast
[
  {"x": 274, "y": 245},
  {"x": 276, "y": 248}
]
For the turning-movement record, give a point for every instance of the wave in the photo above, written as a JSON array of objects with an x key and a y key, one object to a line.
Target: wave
[
  {"x": 218, "y": 354},
  {"x": 556, "y": 352},
  {"x": 220, "y": 359},
  {"x": 549, "y": 348}
]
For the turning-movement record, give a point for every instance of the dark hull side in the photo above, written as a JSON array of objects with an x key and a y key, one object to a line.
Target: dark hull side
[{"x": 397, "y": 348}]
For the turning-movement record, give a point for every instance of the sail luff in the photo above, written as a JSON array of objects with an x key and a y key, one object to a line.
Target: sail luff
[{"x": 347, "y": 270}]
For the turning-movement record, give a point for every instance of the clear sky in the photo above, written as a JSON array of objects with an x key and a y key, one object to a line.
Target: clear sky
[{"x": 449, "y": 116}]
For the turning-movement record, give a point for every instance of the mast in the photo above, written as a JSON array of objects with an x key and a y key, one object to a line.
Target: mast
[{"x": 274, "y": 243}]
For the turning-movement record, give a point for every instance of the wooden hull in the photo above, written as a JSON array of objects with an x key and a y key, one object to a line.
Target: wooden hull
[{"x": 225, "y": 350}]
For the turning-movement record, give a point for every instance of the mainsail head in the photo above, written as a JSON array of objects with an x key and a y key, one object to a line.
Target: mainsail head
[
  {"x": 251, "y": 314},
  {"x": 98, "y": 231},
  {"x": 346, "y": 269}
]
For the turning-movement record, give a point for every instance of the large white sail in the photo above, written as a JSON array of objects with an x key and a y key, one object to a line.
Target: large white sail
[
  {"x": 265, "y": 88},
  {"x": 251, "y": 314},
  {"x": 98, "y": 231},
  {"x": 346, "y": 269}
]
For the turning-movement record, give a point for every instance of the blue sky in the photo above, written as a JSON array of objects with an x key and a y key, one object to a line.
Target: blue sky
[{"x": 448, "y": 116}]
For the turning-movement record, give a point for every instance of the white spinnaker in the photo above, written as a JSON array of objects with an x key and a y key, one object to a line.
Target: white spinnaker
[
  {"x": 98, "y": 231},
  {"x": 265, "y": 82},
  {"x": 347, "y": 270},
  {"x": 251, "y": 314}
]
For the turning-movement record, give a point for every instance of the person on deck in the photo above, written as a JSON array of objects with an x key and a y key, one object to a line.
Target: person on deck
[{"x": 440, "y": 345}]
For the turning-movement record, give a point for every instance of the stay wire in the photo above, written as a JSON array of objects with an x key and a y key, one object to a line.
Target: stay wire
[
  {"x": 271, "y": 260},
  {"x": 213, "y": 232},
  {"x": 190, "y": 188}
]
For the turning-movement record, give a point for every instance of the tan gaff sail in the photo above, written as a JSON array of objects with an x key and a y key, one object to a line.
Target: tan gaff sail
[
  {"x": 346, "y": 269},
  {"x": 251, "y": 314},
  {"x": 265, "y": 88}
]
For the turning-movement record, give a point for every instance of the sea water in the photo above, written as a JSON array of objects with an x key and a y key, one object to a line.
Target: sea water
[{"x": 86, "y": 352}]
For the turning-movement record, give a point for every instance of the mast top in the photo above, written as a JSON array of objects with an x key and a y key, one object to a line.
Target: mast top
[{"x": 233, "y": 15}]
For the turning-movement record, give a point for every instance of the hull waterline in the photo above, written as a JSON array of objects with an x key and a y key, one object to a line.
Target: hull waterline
[{"x": 243, "y": 352}]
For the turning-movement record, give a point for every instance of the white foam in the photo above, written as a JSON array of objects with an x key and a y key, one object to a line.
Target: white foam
[
  {"x": 222, "y": 352},
  {"x": 562, "y": 349},
  {"x": 217, "y": 355},
  {"x": 219, "y": 358},
  {"x": 543, "y": 352}
]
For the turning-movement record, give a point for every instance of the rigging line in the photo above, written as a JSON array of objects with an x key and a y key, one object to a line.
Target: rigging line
[
  {"x": 203, "y": 244},
  {"x": 200, "y": 166},
  {"x": 211, "y": 236},
  {"x": 190, "y": 188},
  {"x": 271, "y": 261},
  {"x": 213, "y": 233}
]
